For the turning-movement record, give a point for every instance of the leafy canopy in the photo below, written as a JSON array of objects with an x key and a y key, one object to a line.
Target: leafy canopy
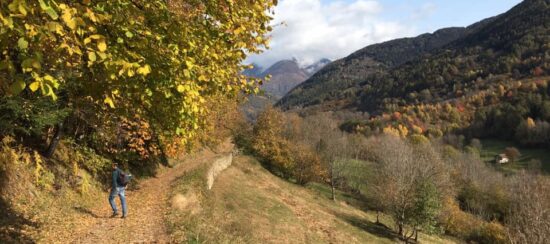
[{"x": 161, "y": 60}]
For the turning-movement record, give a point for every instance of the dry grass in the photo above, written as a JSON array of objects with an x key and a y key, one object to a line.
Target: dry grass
[{"x": 249, "y": 205}]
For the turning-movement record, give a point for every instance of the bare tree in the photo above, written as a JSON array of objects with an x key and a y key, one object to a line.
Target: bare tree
[
  {"x": 402, "y": 171},
  {"x": 335, "y": 150},
  {"x": 529, "y": 217}
]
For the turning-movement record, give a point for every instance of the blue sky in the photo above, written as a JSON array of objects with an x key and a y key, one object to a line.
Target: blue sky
[
  {"x": 444, "y": 13},
  {"x": 315, "y": 29}
]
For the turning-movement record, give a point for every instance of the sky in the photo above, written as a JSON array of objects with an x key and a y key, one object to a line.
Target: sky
[{"x": 309, "y": 30}]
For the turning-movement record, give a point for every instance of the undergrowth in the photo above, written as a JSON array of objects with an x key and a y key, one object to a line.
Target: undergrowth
[{"x": 38, "y": 194}]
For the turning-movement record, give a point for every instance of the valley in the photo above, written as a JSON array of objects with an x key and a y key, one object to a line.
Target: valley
[{"x": 275, "y": 121}]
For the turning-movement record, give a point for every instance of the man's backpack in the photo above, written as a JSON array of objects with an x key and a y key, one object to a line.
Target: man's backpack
[{"x": 123, "y": 178}]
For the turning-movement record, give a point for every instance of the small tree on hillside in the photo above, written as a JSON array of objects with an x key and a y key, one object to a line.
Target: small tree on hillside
[
  {"x": 307, "y": 164},
  {"x": 409, "y": 183},
  {"x": 335, "y": 152},
  {"x": 269, "y": 145}
]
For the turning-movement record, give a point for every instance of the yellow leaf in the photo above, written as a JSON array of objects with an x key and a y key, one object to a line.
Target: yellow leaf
[
  {"x": 102, "y": 46},
  {"x": 109, "y": 102},
  {"x": 34, "y": 86},
  {"x": 96, "y": 36},
  {"x": 237, "y": 31},
  {"x": 181, "y": 88},
  {"x": 92, "y": 57},
  {"x": 145, "y": 70},
  {"x": 69, "y": 20}
]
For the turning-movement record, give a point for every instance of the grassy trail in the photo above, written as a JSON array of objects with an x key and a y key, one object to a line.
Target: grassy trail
[{"x": 147, "y": 207}]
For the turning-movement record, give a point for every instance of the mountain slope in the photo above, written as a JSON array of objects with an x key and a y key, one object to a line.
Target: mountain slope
[
  {"x": 285, "y": 75},
  {"x": 376, "y": 58},
  {"x": 511, "y": 44}
]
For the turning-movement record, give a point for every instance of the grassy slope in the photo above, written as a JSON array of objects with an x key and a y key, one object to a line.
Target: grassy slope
[
  {"x": 249, "y": 205},
  {"x": 492, "y": 147},
  {"x": 35, "y": 207}
]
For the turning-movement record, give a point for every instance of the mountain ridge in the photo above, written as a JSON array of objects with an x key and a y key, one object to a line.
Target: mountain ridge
[{"x": 376, "y": 58}]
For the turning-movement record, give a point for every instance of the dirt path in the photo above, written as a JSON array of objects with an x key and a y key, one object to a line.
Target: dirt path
[{"x": 147, "y": 207}]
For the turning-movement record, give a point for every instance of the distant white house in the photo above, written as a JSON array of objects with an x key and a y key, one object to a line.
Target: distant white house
[{"x": 502, "y": 159}]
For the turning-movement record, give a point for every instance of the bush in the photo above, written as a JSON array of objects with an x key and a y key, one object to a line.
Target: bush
[
  {"x": 468, "y": 227},
  {"x": 418, "y": 139},
  {"x": 24, "y": 117},
  {"x": 492, "y": 232},
  {"x": 307, "y": 164},
  {"x": 512, "y": 153}
]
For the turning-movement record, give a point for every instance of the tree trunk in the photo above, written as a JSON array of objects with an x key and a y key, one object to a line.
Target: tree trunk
[
  {"x": 378, "y": 216},
  {"x": 55, "y": 140},
  {"x": 160, "y": 144},
  {"x": 415, "y": 235},
  {"x": 332, "y": 183},
  {"x": 400, "y": 229},
  {"x": 333, "y": 194}
]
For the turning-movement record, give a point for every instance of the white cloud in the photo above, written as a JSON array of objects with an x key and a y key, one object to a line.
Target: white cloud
[
  {"x": 314, "y": 30},
  {"x": 425, "y": 11}
]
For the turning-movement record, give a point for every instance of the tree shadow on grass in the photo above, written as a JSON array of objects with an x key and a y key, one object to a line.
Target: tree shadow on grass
[
  {"x": 377, "y": 229},
  {"x": 12, "y": 223},
  {"x": 89, "y": 212}
]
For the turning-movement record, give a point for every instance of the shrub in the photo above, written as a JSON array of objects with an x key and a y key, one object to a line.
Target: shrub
[
  {"x": 418, "y": 139},
  {"x": 468, "y": 227},
  {"x": 491, "y": 232},
  {"x": 307, "y": 164},
  {"x": 513, "y": 153}
]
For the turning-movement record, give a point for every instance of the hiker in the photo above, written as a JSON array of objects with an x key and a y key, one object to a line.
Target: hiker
[{"x": 117, "y": 188}]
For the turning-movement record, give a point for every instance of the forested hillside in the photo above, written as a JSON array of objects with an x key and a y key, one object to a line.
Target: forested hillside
[
  {"x": 487, "y": 83},
  {"x": 377, "y": 58}
]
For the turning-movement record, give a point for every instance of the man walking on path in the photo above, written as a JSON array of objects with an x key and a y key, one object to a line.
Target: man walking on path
[{"x": 117, "y": 189}]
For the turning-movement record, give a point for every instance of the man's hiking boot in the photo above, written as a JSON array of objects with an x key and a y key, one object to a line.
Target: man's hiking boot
[
  {"x": 123, "y": 217},
  {"x": 114, "y": 215}
]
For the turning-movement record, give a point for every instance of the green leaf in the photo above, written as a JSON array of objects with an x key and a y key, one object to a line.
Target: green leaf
[
  {"x": 22, "y": 8},
  {"x": 17, "y": 87},
  {"x": 51, "y": 12},
  {"x": 48, "y": 9},
  {"x": 29, "y": 64},
  {"x": 22, "y": 43},
  {"x": 129, "y": 34}
]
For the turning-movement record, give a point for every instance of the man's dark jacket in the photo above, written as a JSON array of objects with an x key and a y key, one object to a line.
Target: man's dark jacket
[{"x": 116, "y": 173}]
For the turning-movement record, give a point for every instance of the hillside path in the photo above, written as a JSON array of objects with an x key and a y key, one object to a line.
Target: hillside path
[{"x": 147, "y": 207}]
